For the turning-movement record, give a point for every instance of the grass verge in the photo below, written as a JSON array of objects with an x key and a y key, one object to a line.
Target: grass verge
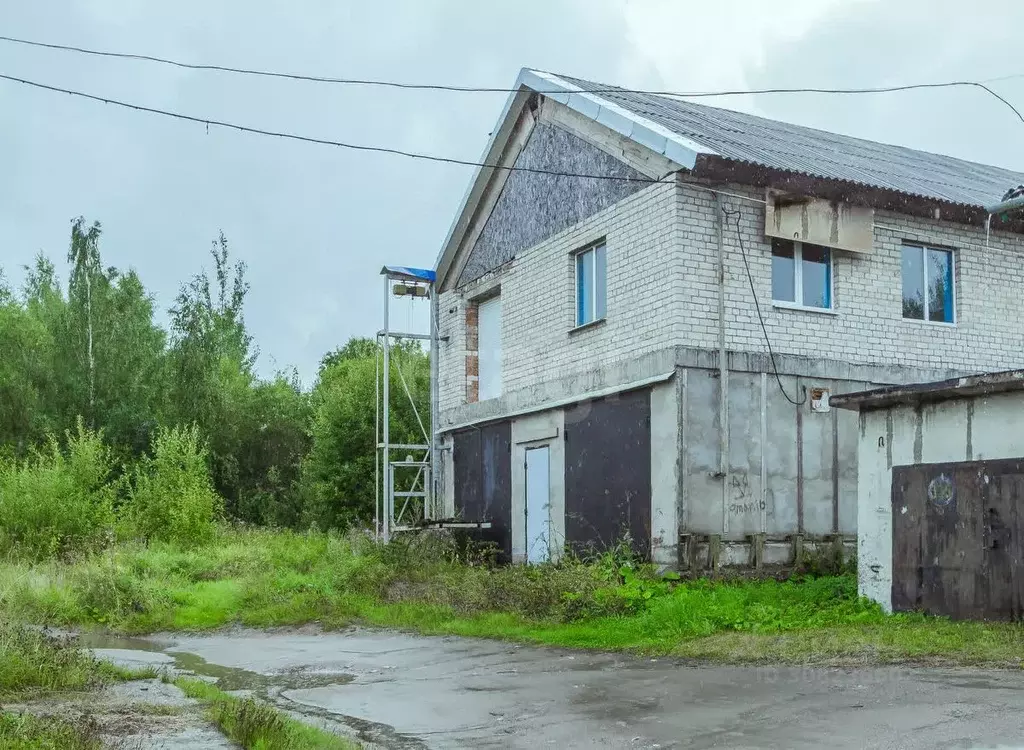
[
  {"x": 33, "y": 663},
  {"x": 258, "y": 726},
  {"x": 265, "y": 578},
  {"x": 27, "y": 732}
]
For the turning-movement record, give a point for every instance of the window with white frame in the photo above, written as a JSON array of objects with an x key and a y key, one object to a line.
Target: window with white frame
[
  {"x": 801, "y": 274},
  {"x": 929, "y": 291},
  {"x": 591, "y": 284}
]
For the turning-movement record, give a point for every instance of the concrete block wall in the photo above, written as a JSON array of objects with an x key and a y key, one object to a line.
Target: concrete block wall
[{"x": 788, "y": 470}]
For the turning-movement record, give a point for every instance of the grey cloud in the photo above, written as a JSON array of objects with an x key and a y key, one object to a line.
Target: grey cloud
[
  {"x": 313, "y": 224},
  {"x": 889, "y": 43}
]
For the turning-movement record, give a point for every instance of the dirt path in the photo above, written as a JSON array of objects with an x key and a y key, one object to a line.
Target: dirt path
[
  {"x": 404, "y": 691},
  {"x": 134, "y": 715}
]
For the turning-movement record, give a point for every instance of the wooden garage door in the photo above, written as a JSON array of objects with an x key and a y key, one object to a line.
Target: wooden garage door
[
  {"x": 608, "y": 473},
  {"x": 957, "y": 533}
]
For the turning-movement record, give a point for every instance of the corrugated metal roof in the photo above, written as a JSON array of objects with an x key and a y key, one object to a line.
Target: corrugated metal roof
[{"x": 779, "y": 145}]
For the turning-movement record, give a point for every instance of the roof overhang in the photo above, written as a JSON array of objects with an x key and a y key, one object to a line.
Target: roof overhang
[
  {"x": 661, "y": 140},
  {"x": 717, "y": 169},
  {"x": 971, "y": 386}
]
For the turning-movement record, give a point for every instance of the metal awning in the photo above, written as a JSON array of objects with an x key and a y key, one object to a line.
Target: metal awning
[{"x": 405, "y": 273}]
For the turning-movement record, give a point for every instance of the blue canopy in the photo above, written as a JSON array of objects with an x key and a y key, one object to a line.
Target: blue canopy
[{"x": 409, "y": 274}]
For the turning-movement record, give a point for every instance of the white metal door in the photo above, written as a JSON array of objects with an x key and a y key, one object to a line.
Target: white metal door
[
  {"x": 489, "y": 348},
  {"x": 538, "y": 501}
]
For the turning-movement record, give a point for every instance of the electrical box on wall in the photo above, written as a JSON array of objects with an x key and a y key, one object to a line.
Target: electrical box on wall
[{"x": 818, "y": 398}]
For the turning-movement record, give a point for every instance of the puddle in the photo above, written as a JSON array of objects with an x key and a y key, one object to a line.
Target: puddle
[
  {"x": 273, "y": 687},
  {"x": 226, "y": 678}
]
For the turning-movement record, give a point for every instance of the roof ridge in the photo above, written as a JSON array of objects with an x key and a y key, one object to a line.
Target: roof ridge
[{"x": 610, "y": 92}]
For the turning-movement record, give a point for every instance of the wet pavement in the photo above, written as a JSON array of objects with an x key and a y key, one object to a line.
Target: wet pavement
[{"x": 403, "y": 691}]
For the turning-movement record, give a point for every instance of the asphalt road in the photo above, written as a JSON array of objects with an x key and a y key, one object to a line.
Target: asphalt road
[{"x": 405, "y": 691}]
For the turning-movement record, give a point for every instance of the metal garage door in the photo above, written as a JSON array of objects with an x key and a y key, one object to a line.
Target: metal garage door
[
  {"x": 483, "y": 480},
  {"x": 957, "y": 539},
  {"x": 608, "y": 472}
]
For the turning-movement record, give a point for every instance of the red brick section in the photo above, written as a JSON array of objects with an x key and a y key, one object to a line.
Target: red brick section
[{"x": 472, "y": 354}]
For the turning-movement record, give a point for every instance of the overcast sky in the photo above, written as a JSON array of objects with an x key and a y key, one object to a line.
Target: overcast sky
[{"x": 314, "y": 224}]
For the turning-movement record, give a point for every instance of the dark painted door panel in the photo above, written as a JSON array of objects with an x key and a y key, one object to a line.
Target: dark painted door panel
[
  {"x": 483, "y": 481},
  {"x": 957, "y": 539},
  {"x": 608, "y": 473}
]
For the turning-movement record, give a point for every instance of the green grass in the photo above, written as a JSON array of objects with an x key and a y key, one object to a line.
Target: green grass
[
  {"x": 258, "y": 726},
  {"x": 265, "y": 578},
  {"x": 33, "y": 664},
  {"x": 27, "y": 732}
]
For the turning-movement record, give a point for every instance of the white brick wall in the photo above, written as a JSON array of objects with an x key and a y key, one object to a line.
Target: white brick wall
[
  {"x": 644, "y": 304},
  {"x": 662, "y": 291},
  {"x": 869, "y": 326}
]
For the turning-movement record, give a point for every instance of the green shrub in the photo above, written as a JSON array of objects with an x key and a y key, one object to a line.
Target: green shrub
[
  {"x": 172, "y": 497},
  {"x": 104, "y": 591},
  {"x": 58, "y": 501}
]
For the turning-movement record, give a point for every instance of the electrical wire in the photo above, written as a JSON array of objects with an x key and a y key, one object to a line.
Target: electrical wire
[
  {"x": 207, "y": 121},
  {"x": 502, "y": 90},
  {"x": 757, "y": 306}
]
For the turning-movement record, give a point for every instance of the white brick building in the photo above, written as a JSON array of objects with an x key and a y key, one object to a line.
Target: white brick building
[{"x": 580, "y": 392}]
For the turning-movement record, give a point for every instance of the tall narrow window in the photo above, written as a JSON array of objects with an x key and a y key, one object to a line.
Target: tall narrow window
[
  {"x": 489, "y": 348},
  {"x": 801, "y": 274},
  {"x": 928, "y": 286},
  {"x": 591, "y": 274}
]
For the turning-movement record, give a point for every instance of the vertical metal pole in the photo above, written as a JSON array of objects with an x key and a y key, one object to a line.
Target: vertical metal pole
[
  {"x": 764, "y": 453},
  {"x": 376, "y": 441},
  {"x": 388, "y": 497},
  {"x": 723, "y": 374},
  {"x": 434, "y": 500}
]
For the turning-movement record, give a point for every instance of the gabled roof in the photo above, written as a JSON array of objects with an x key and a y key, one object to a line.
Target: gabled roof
[
  {"x": 686, "y": 133},
  {"x": 793, "y": 148}
]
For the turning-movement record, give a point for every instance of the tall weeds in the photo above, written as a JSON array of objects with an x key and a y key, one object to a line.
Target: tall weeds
[{"x": 58, "y": 501}]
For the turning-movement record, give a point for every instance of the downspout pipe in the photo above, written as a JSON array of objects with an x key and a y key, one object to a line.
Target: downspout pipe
[
  {"x": 1000, "y": 208},
  {"x": 723, "y": 374},
  {"x": 1004, "y": 206}
]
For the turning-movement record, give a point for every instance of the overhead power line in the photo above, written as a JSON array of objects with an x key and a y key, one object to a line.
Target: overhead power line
[
  {"x": 488, "y": 89},
  {"x": 207, "y": 121}
]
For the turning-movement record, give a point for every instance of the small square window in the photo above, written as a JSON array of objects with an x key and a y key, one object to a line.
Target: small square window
[
  {"x": 928, "y": 286},
  {"x": 801, "y": 274},
  {"x": 591, "y": 273}
]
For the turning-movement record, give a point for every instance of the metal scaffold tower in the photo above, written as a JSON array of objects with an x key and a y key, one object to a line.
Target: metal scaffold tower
[
  {"x": 405, "y": 486},
  {"x": 409, "y": 497}
]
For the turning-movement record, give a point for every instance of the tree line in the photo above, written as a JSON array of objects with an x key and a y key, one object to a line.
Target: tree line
[{"x": 89, "y": 350}]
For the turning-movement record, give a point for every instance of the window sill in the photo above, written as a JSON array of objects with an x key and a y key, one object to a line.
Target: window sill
[
  {"x": 804, "y": 308},
  {"x": 587, "y": 326},
  {"x": 940, "y": 323}
]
